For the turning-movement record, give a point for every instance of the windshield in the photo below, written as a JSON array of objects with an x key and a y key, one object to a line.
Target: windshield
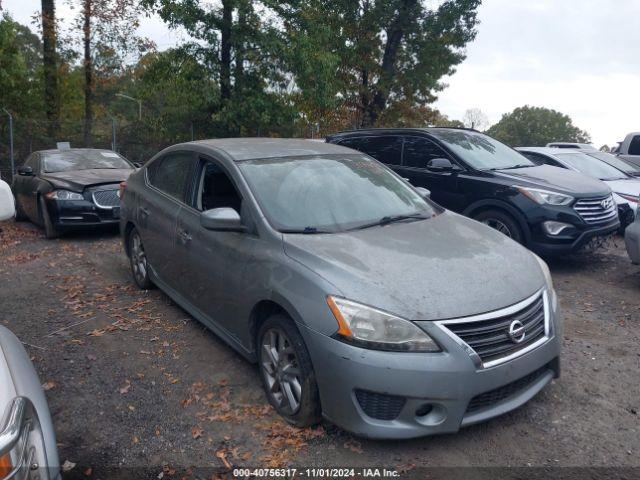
[
  {"x": 330, "y": 193},
  {"x": 615, "y": 162},
  {"x": 591, "y": 166},
  {"x": 481, "y": 151},
  {"x": 83, "y": 160}
]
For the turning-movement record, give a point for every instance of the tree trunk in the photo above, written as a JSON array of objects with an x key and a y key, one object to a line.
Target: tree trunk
[
  {"x": 88, "y": 75},
  {"x": 50, "y": 66},
  {"x": 225, "y": 50},
  {"x": 395, "y": 34},
  {"x": 241, "y": 34}
]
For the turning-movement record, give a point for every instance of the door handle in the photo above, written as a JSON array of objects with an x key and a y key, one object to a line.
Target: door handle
[
  {"x": 144, "y": 212},
  {"x": 184, "y": 236}
]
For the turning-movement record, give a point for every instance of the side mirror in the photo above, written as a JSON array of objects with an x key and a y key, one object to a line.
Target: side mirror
[
  {"x": 222, "y": 219},
  {"x": 7, "y": 207},
  {"x": 25, "y": 171},
  {"x": 441, "y": 165},
  {"x": 425, "y": 193},
  {"x": 137, "y": 164}
]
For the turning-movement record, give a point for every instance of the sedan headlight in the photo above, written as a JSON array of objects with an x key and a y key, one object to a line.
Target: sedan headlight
[
  {"x": 368, "y": 327},
  {"x": 542, "y": 197},
  {"x": 549, "y": 281},
  {"x": 64, "y": 195}
]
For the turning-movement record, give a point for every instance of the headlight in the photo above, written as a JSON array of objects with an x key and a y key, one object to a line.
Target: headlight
[
  {"x": 629, "y": 198},
  {"x": 368, "y": 327},
  {"x": 545, "y": 271},
  {"x": 64, "y": 195},
  {"x": 545, "y": 196}
]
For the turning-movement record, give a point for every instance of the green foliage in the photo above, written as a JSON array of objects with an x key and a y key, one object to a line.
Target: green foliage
[
  {"x": 20, "y": 68},
  {"x": 373, "y": 55},
  {"x": 536, "y": 126}
]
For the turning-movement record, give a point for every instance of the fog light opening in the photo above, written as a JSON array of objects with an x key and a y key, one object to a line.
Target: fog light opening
[
  {"x": 555, "y": 228},
  {"x": 424, "y": 410}
]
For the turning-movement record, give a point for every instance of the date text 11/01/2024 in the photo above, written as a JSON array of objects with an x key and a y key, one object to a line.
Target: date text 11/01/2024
[{"x": 315, "y": 472}]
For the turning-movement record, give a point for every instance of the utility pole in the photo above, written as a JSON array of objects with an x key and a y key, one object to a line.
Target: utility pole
[{"x": 13, "y": 166}]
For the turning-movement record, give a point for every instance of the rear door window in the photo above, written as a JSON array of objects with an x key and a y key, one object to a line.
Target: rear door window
[
  {"x": 351, "y": 143},
  {"x": 386, "y": 149},
  {"x": 171, "y": 173},
  {"x": 418, "y": 152}
]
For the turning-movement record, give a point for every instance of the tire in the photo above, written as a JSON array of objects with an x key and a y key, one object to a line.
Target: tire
[
  {"x": 20, "y": 215},
  {"x": 286, "y": 371},
  {"x": 50, "y": 231},
  {"x": 501, "y": 221},
  {"x": 138, "y": 260}
]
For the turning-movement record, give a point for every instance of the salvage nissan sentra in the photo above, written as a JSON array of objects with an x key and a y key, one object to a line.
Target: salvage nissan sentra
[{"x": 360, "y": 299}]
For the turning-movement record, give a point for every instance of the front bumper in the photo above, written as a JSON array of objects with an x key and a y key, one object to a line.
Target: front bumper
[
  {"x": 81, "y": 213},
  {"x": 437, "y": 388},
  {"x": 572, "y": 241}
]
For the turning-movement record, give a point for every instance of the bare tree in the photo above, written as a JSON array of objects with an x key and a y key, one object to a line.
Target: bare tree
[
  {"x": 50, "y": 65},
  {"x": 476, "y": 119}
]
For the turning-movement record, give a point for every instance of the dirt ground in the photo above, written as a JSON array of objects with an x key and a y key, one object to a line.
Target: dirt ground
[{"x": 139, "y": 389}]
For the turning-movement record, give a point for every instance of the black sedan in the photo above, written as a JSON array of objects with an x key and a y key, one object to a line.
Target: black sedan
[{"x": 70, "y": 188}]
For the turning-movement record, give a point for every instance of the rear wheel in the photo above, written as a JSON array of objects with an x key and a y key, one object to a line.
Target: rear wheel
[
  {"x": 502, "y": 222},
  {"x": 138, "y": 261},
  {"x": 50, "y": 231},
  {"x": 287, "y": 373}
]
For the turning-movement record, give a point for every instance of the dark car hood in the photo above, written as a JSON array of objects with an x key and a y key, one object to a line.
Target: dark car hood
[
  {"x": 78, "y": 180},
  {"x": 559, "y": 179},
  {"x": 447, "y": 266}
]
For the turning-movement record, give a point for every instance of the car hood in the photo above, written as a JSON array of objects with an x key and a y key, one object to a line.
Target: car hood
[
  {"x": 444, "y": 267},
  {"x": 559, "y": 179},
  {"x": 628, "y": 186},
  {"x": 78, "y": 180}
]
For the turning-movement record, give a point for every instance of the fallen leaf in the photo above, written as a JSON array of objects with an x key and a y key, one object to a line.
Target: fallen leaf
[
  {"x": 196, "y": 432},
  {"x": 48, "y": 386},
  {"x": 222, "y": 455},
  {"x": 67, "y": 466},
  {"x": 88, "y": 472},
  {"x": 125, "y": 389}
]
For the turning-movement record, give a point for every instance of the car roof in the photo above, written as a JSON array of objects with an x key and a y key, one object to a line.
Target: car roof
[
  {"x": 63, "y": 150},
  {"x": 398, "y": 131},
  {"x": 572, "y": 145},
  {"x": 258, "y": 148},
  {"x": 550, "y": 150}
]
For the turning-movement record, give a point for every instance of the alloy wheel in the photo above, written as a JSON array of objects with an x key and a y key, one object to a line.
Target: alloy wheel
[
  {"x": 498, "y": 225},
  {"x": 281, "y": 370},
  {"x": 138, "y": 258}
]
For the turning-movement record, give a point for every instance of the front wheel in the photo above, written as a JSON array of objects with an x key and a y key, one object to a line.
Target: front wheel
[
  {"x": 138, "y": 261},
  {"x": 20, "y": 215},
  {"x": 287, "y": 374},
  {"x": 50, "y": 231},
  {"x": 502, "y": 222}
]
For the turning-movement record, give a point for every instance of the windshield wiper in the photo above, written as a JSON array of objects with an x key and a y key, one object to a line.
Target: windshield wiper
[
  {"x": 305, "y": 230},
  {"x": 393, "y": 219},
  {"x": 513, "y": 166}
]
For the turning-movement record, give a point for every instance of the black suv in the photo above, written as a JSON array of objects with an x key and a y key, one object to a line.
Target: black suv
[{"x": 548, "y": 209}]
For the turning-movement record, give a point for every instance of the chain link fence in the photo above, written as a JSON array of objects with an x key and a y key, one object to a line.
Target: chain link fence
[{"x": 137, "y": 141}]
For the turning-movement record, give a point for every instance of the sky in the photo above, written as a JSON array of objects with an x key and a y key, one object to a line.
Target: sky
[{"x": 579, "y": 57}]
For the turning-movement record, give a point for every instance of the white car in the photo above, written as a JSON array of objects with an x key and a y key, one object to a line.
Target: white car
[
  {"x": 626, "y": 189},
  {"x": 27, "y": 441},
  {"x": 572, "y": 145},
  {"x": 7, "y": 207}
]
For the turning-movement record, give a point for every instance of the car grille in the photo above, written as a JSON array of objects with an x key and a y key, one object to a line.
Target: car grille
[
  {"x": 596, "y": 210},
  {"x": 106, "y": 198},
  {"x": 490, "y": 398},
  {"x": 489, "y": 337},
  {"x": 379, "y": 405}
]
